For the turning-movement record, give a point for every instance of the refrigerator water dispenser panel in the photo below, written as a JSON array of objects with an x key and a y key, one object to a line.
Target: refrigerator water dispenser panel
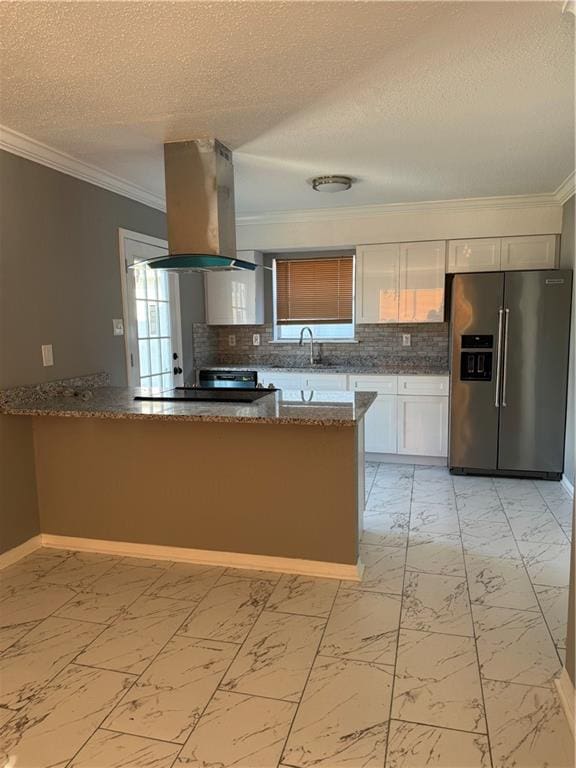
[
  {"x": 476, "y": 366},
  {"x": 485, "y": 341},
  {"x": 476, "y": 357}
]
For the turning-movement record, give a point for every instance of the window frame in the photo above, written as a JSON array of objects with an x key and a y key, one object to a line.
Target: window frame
[{"x": 277, "y": 338}]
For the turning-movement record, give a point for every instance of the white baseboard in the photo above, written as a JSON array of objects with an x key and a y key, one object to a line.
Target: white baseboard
[
  {"x": 17, "y": 553},
  {"x": 400, "y": 458},
  {"x": 567, "y": 485},
  {"x": 566, "y": 692},
  {"x": 208, "y": 557}
]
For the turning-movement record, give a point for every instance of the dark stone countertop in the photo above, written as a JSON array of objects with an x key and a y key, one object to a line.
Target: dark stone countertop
[{"x": 105, "y": 402}]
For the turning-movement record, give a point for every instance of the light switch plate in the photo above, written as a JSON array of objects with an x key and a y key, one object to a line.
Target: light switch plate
[
  {"x": 256, "y": 339},
  {"x": 231, "y": 340},
  {"x": 118, "y": 326},
  {"x": 406, "y": 340},
  {"x": 47, "y": 355}
]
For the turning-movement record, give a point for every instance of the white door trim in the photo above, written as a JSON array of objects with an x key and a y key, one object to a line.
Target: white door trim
[{"x": 129, "y": 341}]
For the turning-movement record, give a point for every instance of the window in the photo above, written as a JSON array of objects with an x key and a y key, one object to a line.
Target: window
[{"x": 316, "y": 292}]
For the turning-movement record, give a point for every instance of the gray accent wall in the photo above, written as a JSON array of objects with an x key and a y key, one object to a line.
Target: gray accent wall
[
  {"x": 61, "y": 272},
  {"x": 59, "y": 285},
  {"x": 568, "y": 261},
  {"x": 192, "y": 312}
]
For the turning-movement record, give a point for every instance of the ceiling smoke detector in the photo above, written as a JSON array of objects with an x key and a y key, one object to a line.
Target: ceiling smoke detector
[{"x": 331, "y": 183}]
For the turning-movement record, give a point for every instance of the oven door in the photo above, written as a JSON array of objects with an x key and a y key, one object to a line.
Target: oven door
[{"x": 228, "y": 379}]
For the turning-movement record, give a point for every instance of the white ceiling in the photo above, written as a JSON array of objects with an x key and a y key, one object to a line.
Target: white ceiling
[{"x": 419, "y": 101}]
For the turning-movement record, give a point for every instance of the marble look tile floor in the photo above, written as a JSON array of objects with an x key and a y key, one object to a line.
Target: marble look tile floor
[{"x": 444, "y": 655}]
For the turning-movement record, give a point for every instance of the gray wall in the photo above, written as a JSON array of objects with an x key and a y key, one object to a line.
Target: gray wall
[
  {"x": 60, "y": 285},
  {"x": 567, "y": 261},
  {"x": 192, "y": 310},
  {"x": 60, "y": 272}
]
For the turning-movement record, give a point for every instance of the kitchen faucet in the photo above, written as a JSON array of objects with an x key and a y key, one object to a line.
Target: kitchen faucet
[{"x": 306, "y": 328}]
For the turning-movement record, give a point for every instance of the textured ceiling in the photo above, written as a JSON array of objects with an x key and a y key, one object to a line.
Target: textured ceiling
[{"x": 419, "y": 101}]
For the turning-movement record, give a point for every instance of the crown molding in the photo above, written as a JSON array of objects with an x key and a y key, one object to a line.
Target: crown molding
[
  {"x": 431, "y": 206},
  {"x": 566, "y": 189},
  {"x": 24, "y": 146}
]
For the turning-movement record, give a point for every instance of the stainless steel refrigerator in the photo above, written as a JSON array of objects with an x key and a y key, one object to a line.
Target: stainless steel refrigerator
[{"x": 510, "y": 336}]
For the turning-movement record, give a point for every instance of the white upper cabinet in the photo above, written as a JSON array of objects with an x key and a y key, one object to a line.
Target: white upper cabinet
[
  {"x": 377, "y": 275},
  {"x": 422, "y": 277},
  {"x": 236, "y": 297},
  {"x": 530, "y": 252},
  {"x": 476, "y": 255},
  {"x": 400, "y": 282},
  {"x": 495, "y": 254}
]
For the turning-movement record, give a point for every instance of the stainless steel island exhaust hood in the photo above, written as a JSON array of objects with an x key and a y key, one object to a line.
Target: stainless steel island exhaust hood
[{"x": 200, "y": 208}]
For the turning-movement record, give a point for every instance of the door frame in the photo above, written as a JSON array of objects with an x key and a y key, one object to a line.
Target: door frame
[{"x": 130, "y": 341}]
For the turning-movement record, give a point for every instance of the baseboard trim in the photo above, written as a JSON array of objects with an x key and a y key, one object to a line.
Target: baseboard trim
[
  {"x": 400, "y": 458},
  {"x": 567, "y": 485},
  {"x": 208, "y": 557},
  {"x": 566, "y": 693},
  {"x": 17, "y": 553}
]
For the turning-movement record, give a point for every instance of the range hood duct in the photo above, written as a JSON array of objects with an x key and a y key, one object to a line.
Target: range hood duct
[{"x": 200, "y": 208}]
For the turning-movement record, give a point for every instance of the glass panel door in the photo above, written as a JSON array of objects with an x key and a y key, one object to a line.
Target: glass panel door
[{"x": 152, "y": 316}]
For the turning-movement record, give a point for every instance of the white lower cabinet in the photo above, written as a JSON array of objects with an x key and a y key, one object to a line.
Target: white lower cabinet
[
  {"x": 409, "y": 415},
  {"x": 380, "y": 426},
  {"x": 281, "y": 380},
  {"x": 380, "y": 420},
  {"x": 332, "y": 382},
  {"x": 423, "y": 425}
]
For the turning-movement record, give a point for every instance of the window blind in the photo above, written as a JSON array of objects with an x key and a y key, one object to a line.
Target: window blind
[{"x": 314, "y": 290}]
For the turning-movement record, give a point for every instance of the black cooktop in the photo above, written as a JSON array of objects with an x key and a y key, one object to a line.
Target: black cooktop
[{"x": 209, "y": 394}]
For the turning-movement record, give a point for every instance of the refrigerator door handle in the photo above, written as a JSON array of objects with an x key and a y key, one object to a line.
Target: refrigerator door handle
[
  {"x": 498, "y": 359},
  {"x": 505, "y": 363}
]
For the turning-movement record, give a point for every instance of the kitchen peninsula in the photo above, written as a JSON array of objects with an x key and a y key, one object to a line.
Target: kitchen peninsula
[{"x": 259, "y": 485}]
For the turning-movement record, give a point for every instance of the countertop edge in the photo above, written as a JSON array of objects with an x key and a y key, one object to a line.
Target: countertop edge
[{"x": 200, "y": 418}]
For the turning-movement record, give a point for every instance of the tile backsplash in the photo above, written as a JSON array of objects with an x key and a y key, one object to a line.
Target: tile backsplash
[{"x": 377, "y": 345}]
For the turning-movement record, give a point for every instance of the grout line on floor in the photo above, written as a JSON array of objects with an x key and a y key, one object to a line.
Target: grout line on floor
[
  {"x": 206, "y": 639},
  {"x": 532, "y": 584},
  {"x": 440, "y": 727},
  {"x": 399, "y": 624},
  {"x": 137, "y": 677},
  {"x": 102, "y": 669},
  {"x": 296, "y": 709},
  {"x": 514, "y": 682},
  {"x": 552, "y": 513},
  {"x": 139, "y": 736},
  {"x": 475, "y": 635}
]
